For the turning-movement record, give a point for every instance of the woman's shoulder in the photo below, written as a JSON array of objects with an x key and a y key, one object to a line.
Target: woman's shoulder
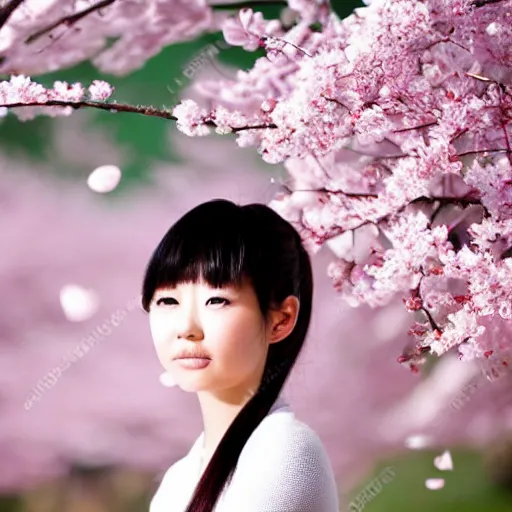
[
  {"x": 281, "y": 437},
  {"x": 284, "y": 466},
  {"x": 170, "y": 485},
  {"x": 174, "y": 469}
]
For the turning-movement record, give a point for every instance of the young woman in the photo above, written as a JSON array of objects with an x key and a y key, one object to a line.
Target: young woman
[{"x": 229, "y": 293}]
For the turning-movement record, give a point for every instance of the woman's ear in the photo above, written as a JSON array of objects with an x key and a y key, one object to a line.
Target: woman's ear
[{"x": 282, "y": 320}]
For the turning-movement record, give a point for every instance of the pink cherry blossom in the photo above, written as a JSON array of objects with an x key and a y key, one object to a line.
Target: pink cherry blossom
[
  {"x": 311, "y": 11},
  {"x": 249, "y": 29},
  {"x": 191, "y": 118},
  {"x": 100, "y": 90}
]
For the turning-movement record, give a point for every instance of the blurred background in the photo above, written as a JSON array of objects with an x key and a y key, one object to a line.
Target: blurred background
[{"x": 85, "y": 422}]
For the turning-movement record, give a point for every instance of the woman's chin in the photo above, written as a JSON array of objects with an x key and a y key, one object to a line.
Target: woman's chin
[{"x": 192, "y": 385}]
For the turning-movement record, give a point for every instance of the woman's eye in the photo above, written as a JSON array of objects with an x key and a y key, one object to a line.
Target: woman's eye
[
  {"x": 169, "y": 301},
  {"x": 218, "y": 299},
  {"x": 165, "y": 300}
]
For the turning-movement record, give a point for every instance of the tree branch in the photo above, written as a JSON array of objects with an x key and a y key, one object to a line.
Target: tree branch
[
  {"x": 111, "y": 107},
  {"x": 504, "y": 150},
  {"x": 425, "y": 125},
  {"x": 507, "y": 141},
  {"x": 430, "y": 319},
  {"x": 119, "y": 107},
  {"x": 248, "y": 3},
  {"x": 339, "y": 230},
  {"x": 68, "y": 20},
  {"x": 417, "y": 293},
  {"x": 7, "y": 10},
  {"x": 73, "y": 18},
  {"x": 462, "y": 200},
  {"x": 324, "y": 190},
  {"x": 506, "y": 254},
  {"x": 481, "y": 3}
]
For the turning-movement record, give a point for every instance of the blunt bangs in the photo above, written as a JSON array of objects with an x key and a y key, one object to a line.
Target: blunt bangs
[{"x": 200, "y": 247}]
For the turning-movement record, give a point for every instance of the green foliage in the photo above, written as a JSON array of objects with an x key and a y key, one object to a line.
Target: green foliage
[
  {"x": 344, "y": 8},
  {"x": 27, "y": 139},
  {"x": 10, "y": 503}
]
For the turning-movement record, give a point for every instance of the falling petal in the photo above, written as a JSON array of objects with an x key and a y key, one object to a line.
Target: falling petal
[
  {"x": 167, "y": 380},
  {"x": 417, "y": 442},
  {"x": 104, "y": 178},
  {"x": 444, "y": 461},
  {"x": 434, "y": 483},
  {"x": 78, "y": 303}
]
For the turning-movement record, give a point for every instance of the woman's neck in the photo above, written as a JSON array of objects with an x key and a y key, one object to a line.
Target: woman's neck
[{"x": 217, "y": 418}]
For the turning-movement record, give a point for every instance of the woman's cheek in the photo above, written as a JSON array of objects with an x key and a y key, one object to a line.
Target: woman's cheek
[
  {"x": 241, "y": 357},
  {"x": 161, "y": 334}
]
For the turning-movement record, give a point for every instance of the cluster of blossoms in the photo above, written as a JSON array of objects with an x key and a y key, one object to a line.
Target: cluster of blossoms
[
  {"x": 395, "y": 128},
  {"x": 119, "y": 36},
  {"x": 20, "y": 90},
  {"x": 394, "y": 125}
]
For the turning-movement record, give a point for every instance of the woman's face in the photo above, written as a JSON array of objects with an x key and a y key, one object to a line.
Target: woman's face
[{"x": 225, "y": 322}]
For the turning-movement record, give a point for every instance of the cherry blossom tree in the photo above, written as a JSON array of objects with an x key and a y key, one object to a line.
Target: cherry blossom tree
[{"x": 394, "y": 125}]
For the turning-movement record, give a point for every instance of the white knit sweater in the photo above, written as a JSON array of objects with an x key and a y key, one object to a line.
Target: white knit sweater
[{"x": 283, "y": 467}]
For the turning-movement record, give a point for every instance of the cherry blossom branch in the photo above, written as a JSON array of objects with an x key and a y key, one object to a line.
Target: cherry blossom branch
[
  {"x": 507, "y": 141},
  {"x": 333, "y": 192},
  {"x": 68, "y": 20},
  {"x": 481, "y": 3},
  {"x": 339, "y": 230},
  {"x": 446, "y": 200},
  {"x": 111, "y": 107},
  {"x": 420, "y": 305},
  {"x": 395, "y": 157},
  {"x": 7, "y": 10},
  {"x": 380, "y": 157},
  {"x": 247, "y": 4},
  {"x": 447, "y": 40},
  {"x": 430, "y": 319},
  {"x": 476, "y": 151},
  {"x": 459, "y": 134},
  {"x": 334, "y": 101},
  {"x": 425, "y": 125},
  {"x": 119, "y": 107},
  {"x": 264, "y": 39},
  {"x": 436, "y": 212},
  {"x": 506, "y": 254}
]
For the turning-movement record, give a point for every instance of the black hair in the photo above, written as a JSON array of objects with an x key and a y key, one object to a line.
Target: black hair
[{"x": 222, "y": 243}]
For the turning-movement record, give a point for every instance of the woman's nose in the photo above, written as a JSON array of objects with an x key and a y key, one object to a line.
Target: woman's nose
[
  {"x": 189, "y": 335},
  {"x": 189, "y": 327}
]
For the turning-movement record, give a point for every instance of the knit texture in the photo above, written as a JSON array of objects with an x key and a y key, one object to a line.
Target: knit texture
[{"x": 283, "y": 467}]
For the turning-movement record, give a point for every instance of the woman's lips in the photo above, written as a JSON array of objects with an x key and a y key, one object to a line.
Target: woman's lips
[{"x": 193, "y": 363}]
